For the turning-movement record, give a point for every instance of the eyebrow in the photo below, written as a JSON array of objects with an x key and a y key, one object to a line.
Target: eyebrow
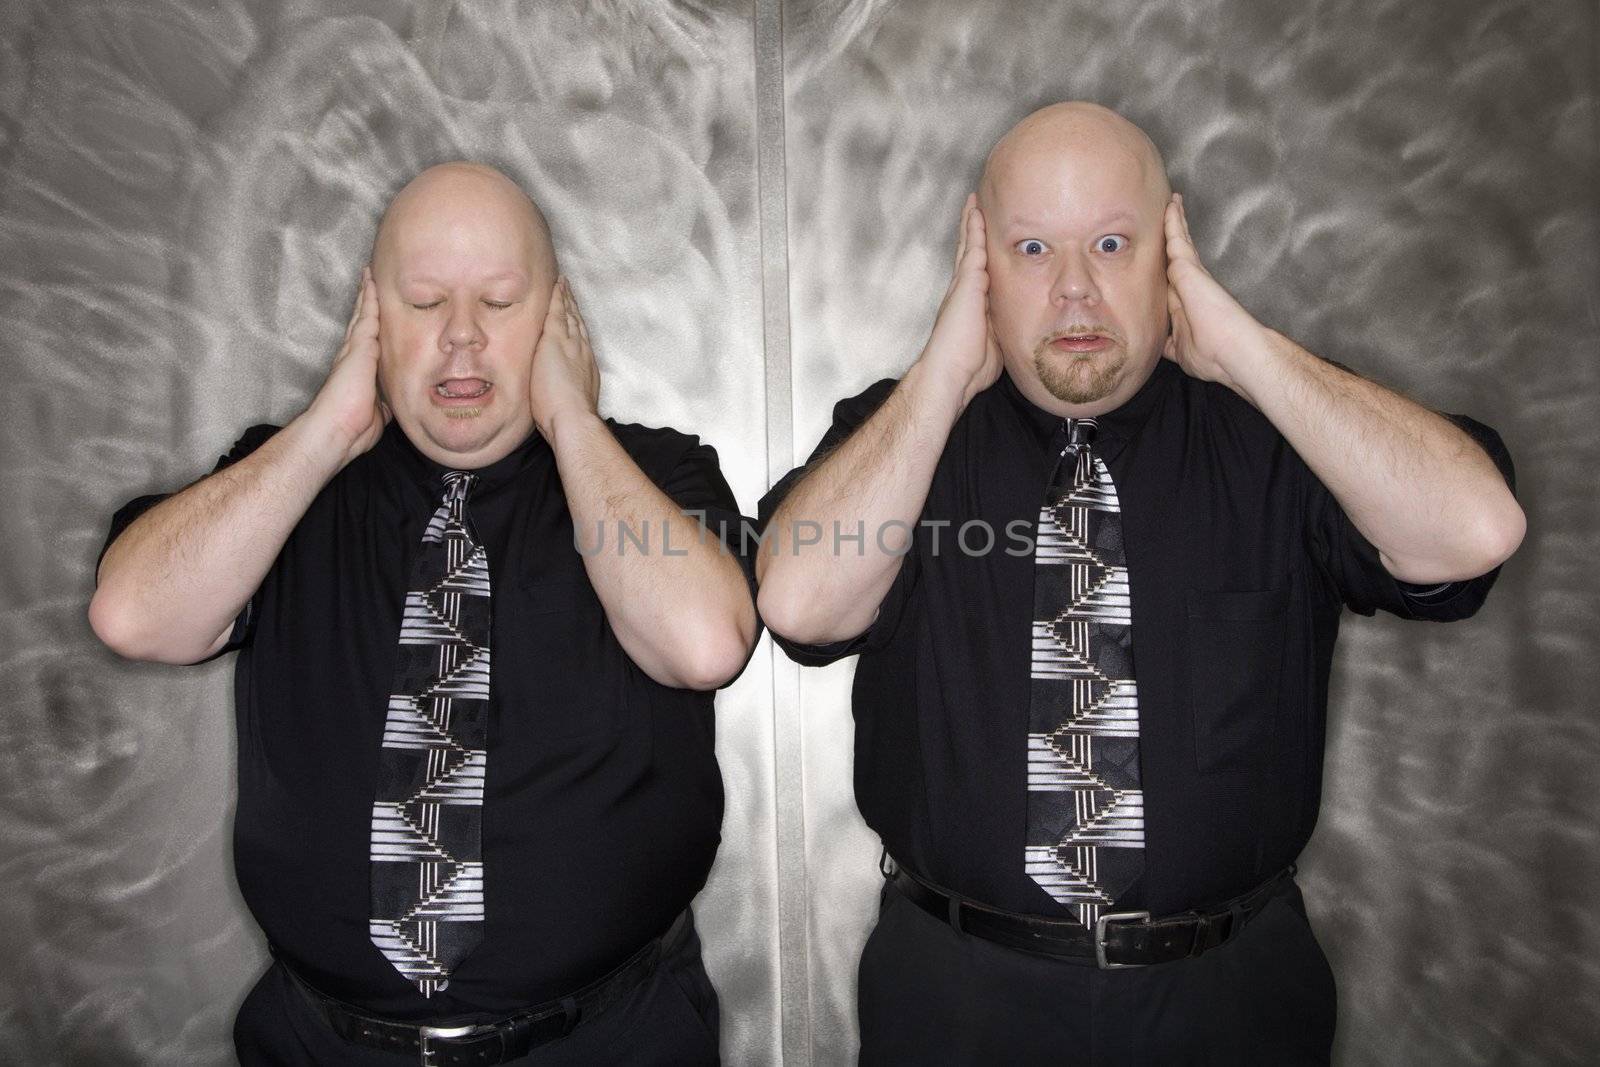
[
  {"x": 1120, "y": 215},
  {"x": 515, "y": 276}
]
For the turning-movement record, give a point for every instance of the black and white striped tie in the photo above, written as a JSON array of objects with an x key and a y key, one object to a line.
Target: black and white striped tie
[
  {"x": 1085, "y": 831},
  {"x": 427, "y": 859}
]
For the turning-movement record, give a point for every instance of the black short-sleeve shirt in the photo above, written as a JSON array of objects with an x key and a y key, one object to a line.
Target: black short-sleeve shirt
[
  {"x": 603, "y": 799},
  {"x": 1240, "y": 562}
]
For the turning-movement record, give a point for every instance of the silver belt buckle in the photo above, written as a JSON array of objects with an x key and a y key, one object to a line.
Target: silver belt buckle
[
  {"x": 1100, "y": 925},
  {"x": 426, "y": 1034}
]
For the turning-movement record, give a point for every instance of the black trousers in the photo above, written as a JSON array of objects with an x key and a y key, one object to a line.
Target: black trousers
[
  {"x": 930, "y": 994},
  {"x": 671, "y": 1017}
]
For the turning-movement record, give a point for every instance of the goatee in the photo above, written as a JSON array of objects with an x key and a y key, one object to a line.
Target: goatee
[{"x": 1078, "y": 379}]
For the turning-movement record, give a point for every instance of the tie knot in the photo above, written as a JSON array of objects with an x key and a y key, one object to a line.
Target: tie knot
[
  {"x": 457, "y": 484},
  {"x": 1081, "y": 431}
]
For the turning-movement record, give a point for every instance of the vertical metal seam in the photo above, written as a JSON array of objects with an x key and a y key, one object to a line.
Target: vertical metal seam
[{"x": 794, "y": 983}]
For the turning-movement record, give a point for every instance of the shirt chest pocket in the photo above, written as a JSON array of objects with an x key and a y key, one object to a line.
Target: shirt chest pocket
[
  {"x": 558, "y": 671},
  {"x": 1234, "y": 645}
]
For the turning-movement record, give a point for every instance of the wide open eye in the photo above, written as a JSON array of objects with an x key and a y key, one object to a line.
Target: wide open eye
[
  {"x": 1110, "y": 243},
  {"x": 1031, "y": 246}
]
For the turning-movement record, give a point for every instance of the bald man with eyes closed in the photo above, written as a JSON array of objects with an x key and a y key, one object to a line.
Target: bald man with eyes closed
[
  {"x": 477, "y": 788},
  {"x": 1092, "y": 683}
]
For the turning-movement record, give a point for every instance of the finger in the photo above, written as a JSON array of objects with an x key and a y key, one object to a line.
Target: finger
[
  {"x": 355, "y": 312},
  {"x": 556, "y": 313},
  {"x": 1172, "y": 222},
  {"x": 978, "y": 237},
  {"x": 1181, "y": 255},
  {"x": 1180, "y": 322},
  {"x": 367, "y": 306},
  {"x": 1184, "y": 240},
  {"x": 974, "y": 256},
  {"x": 967, "y": 207},
  {"x": 365, "y": 328}
]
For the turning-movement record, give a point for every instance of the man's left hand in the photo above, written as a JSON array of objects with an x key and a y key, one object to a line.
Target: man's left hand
[
  {"x": 565, "y": 376},
  {"x": 1208, "y": 325}
]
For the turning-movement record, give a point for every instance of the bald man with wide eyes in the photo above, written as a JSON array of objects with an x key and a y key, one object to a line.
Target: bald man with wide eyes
[
  {"x": 477, "y": 787},
  {"x": 1092, "y": 551}
]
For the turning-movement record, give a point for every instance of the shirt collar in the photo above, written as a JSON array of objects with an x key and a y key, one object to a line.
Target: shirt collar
[
  {"x": 1115, "y": 427},
  {"x": 397, "y": 448}
]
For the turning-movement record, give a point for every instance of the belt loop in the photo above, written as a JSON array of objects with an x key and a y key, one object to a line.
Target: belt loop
[
  {"x": 1212, "y": 930},
  {"x": 955, "y": 913},
  {"x": 572, "y": 1014},
  {"x": 676, "y": 934}
]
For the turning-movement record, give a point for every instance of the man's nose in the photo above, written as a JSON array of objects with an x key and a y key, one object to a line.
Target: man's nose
[
  {"x": 462, "y": 330},
  {"x": 1074, "y": 281}
]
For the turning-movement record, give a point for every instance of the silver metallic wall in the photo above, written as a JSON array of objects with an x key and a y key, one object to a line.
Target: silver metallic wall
[{"x": 756, "y": 202}]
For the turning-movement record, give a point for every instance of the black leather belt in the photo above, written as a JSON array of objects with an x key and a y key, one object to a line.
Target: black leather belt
[
  {"x": 1119, "y": 939},
  {"x": 497, "y": 1040}
]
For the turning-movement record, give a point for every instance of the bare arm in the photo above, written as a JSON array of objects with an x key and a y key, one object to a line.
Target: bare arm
[
  {"x": 170, "y": 587},
  {"x": 880, "y": 475},
  {"x": 1418, "y": 487},
  {"x": 681, "y": 609}
]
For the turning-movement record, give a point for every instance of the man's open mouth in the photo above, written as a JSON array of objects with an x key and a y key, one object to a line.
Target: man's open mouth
[
  {"x": 462, "y": 388},
  {"x": 1080, "y": 342}
]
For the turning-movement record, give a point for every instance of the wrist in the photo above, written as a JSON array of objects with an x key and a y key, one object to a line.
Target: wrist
[
  {"x": 564, "y": 426},
  {"x": 934, "y": 392},
  {"x": 318, "y": 444},
  {"x": 1255, "y": 361}
]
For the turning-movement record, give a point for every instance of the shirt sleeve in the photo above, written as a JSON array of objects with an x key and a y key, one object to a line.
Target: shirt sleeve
[
  {"x": 253, "y": 439},
  {"x": 847, "y": 415},
  {"x": 1352, "y": 567},
  {"x": 686, "y": 469},
  {"x": 697, "y": 486}
]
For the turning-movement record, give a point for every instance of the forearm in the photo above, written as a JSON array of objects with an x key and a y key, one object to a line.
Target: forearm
[
  {"x": 675, "y": 597},
  {"x": 1415, "y": 485},
  {"x": 170, "y": 587},
  {"x": 812, "y": 588}
]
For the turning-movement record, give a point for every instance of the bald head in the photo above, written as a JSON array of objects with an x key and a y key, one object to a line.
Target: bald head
[
  {"x": 435, "y": 201},
  {"x": 1081, "y": 131}
]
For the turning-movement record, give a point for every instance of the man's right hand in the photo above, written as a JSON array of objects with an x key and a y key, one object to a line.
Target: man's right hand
[
  {"x": 171, "y": 585},
  {"x": 348, "y": 406},
  {"x": 879, "y": 475},
  {"x": 962, "y": 350}
]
